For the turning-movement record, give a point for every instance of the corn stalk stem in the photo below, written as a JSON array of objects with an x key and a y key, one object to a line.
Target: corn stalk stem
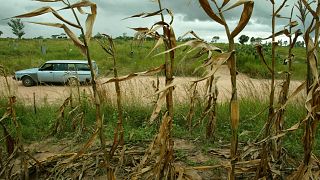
[
  {"x": 118, "y": 135},
  {"x": 212, "y": 102},
  {"x": 264, "y": 170},
  {"x": 283, "y": 97},
  {"x": 169, "y": 61},
  {"x": 234, "y": 105},
  {"x": 312, "y": 122},
  {"x": 99, "y": 120}
]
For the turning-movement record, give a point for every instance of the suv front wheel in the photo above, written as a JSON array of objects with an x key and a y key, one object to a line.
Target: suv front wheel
[{"x": 27, "y": 81}]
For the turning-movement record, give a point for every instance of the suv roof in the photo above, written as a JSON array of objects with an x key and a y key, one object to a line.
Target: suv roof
[{"x": 69, "y": 61}]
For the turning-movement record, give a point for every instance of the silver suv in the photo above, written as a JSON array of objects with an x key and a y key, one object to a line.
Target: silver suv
[{"x": 61, "y": 71}]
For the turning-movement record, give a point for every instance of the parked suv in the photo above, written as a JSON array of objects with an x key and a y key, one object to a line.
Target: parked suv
[{"x": 61, "y": 71}]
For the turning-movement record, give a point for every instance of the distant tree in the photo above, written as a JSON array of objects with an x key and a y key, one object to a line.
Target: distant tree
[
  {"x": 54, "y": 36},
  {"x": 97, "y": 36},
  {"x": 252, "y": 40},
  {"x": 215, "y": 39},
  {"x": 62, "y": 36},
  {"x": 280, "y": 42},
  {"x": 81, "y": 36},
  {"x": 1, "y": 33},
  {"x": 243, "y": 39},
  {"x": 39, "y": 37},
  {"x": 258, "y": 40},
  {"x": 299, "y": 44},
  {"x": 17, "y": 27}
]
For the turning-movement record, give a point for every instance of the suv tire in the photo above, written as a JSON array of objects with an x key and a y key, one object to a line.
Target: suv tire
[{"x": 27, "y": 81}]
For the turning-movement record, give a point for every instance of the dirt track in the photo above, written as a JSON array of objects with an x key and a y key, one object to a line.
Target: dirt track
[{"x": 140, "y": 89}]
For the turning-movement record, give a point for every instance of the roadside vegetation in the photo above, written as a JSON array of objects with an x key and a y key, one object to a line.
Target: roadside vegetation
[{"x": 26, "y": 53}]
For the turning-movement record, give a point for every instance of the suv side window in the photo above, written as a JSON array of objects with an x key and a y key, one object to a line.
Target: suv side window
[
  {"x": 71, "y": 67},
  {"x": 60, "y": 67},
  {"x": 47, "y": 67},
  {"x": 82, "y": 67}
]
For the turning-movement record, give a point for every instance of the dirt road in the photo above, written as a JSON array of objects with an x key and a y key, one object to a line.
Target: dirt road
[{"x": 140, "y": 89}]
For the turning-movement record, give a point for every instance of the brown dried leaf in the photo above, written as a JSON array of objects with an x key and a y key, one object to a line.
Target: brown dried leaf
[
  {"x": 225, "y": 2},
  {"x": 238, "y": 3},
  {"x": 130, "y": 76},
  {"x": 84, "y": 148},
  {"x": 313, "y": 58},
  {"x": 145, "y": 15},
  {"x": 91, "y": 16},
  {"x": 48, "y": 0},
  {"x": 296, "y": 35},
  {"x": 245, "y": 16},
  {"x": 220, "y": 59},
  {"x": 285, "y": 31},
  {"x": 295, "y": 93},
  {"x": 207, "y": 8},
  {"x": 141, "y": 29},
  {"x": 73, "y": 37},
  {"x": 194, "y": 44},
  {"x": 234, "y": 108},
  {"x": 159, "y": 43},
  {"x": 260, "y": 52},
  {"x": 157, "y": 108},
  {"x": 36, "y": 12},
  {"x": 45, "y": 10}
]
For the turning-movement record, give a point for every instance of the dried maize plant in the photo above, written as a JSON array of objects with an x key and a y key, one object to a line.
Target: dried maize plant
[
  {"x": 305, "y": 170},
  {"x": 284, "y": 91},
  {"x": 74, "y": 107},
  {"x": 234, "y": 104},
  {"x": 118, "y": 139},
  {"x": 10, "y": 142},
  {"x": 82, "y": 45},
  {"x": 274, "y": 124},
  {"x": 211, "y": 64},
  {"x": 158, "y": 158},
  {"x": 15, "y": 145}
]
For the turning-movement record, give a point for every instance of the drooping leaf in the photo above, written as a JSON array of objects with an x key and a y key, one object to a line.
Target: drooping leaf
[
  {"x": 219, "y": 60},
  {"x": 245, "y": 17},
  {"x": 73, "y": 37},
  {"x": 238, "y": 3},
  {"x": 90, "y": 18},
  {"x": 48, "y": 0},
  {"x": 145, "y": 15},
  {"x": 225, "y": 2},
  {"x": 260, "y": 52},
  {"x": 296, "y": 35},
  {"x": 207, "y": 8},
  {"x": 156, "y": 110},
  {"x": 90, "y": 22},
  {"x": 300, "y": 88},
  {"x": 45, "y": 10},
  {"x": 158, "y": 44},
  {"x": 84, "y": 148},
  {"x": 130, "y": 76},
  {"x": 285, "y": 31},
  {"x": 194, "y": 44},
  {"x": 313, "y": 59}
]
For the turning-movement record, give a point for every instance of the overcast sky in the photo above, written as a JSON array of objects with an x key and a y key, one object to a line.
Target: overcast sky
[{"x": 188, "y": 16}]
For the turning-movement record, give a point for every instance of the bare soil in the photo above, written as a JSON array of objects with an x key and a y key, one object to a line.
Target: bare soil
[{"x": 140, "y": 89}]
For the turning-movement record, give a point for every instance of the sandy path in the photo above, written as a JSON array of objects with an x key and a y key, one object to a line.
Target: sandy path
[{"x": 140, "y": 90}]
